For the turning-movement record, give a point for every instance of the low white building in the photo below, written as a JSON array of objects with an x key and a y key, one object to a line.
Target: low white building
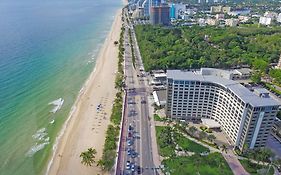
[
  {"x": 265, "y": 21},
  {"x": 272, "y": 15},
  {"x": 220, "y": 16},
  {"x": 201, "y": 22},
  {"x": 243, "y": 19},
  {"x": 279, "y": 18},
  {"x": 160, "y": 77},
  {"x": 159, "y": 97},
  {"x": 212, "y": 22},
  {"x": 231, "y": 22}
]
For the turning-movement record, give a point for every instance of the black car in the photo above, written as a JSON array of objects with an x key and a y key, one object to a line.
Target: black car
[{"x": 139, "y": 170}]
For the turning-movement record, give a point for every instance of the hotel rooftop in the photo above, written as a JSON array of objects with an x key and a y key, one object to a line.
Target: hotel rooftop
[{"x": 260, "y": 96}]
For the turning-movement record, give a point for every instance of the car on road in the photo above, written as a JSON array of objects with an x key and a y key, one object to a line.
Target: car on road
[
  {"x": 132, "y": 113},
  {"x": 139, "y": 170},
  {"x": 134, "y": 154},
  {"x": 131, "y": 101},
  {"x": 128, "y": 165},
  {"x": 130, "y": 142},
  {"x": 133, "y": 167},
  {"x": 129, "y": 151},
  {"x": 130, "y": 127},
  {"x": 136, "y": 135}
]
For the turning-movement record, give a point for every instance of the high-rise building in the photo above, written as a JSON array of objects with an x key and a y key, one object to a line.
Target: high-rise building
[
  {"x": 245, "y": 117},
  {"x": 147, "y": 4},
  {"x": 160, "y": 14},
  {"x": 146, "y": 8},
  {"x": 220, "y": 9},
  {"x": 140, "y": 2},
  {"x": 155, "y": 2},
  {"x": 173, "y": 11},
  {"x": 216, "y": 9}
]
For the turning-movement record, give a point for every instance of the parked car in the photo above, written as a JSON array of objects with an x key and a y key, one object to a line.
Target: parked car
[
  {"x": 130, "y": 127},
  {"x": 129, "y": 142},
  {"x": 139, "y": 170},
  {"x": 133, "y": 167},
  {"x": 134, "y": 154},
  {"x": 128, "y": 165},
  {"x": 129, "y": 151}
]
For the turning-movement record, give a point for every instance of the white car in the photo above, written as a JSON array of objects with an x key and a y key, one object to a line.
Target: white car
[
  {"x": 133, "y": 167},
  {"x": 128, "y": 165}
]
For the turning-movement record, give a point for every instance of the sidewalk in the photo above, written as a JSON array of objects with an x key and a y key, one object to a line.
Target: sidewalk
[
  {"x": 156, "y": 157},
  {"x": 235, "y": 165}
]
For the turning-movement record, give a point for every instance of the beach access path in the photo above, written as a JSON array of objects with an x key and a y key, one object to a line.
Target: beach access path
[{"x": 87, "y": 126}]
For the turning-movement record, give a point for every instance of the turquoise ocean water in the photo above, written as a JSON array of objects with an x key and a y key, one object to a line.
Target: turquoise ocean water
[{"x": 47, "y": 51}]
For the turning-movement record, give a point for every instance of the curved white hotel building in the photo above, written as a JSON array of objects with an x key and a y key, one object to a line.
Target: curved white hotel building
[{"x": 246, "y": 117}]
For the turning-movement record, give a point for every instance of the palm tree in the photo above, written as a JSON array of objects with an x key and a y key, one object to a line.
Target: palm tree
[
  {"x": 88, "y": 157},
  {"x": 166, "y": 134},
  {"x": 185, "y": 124},
  {"x": 277, "y": 163},
  {"x": 265, "y": 154},
  {"x": 224, "y": 148},
  {"x": 252, "y": 154},
  {"x": 192, "y": 130},
  {"x": 101, "y": 163},
  {"x": 115, "y": 42},
  {"x": 211, "y": 137}
]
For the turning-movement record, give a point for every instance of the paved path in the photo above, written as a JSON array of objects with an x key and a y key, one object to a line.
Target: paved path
[
  {"x": 276, "y": 172},
  {"x": 235, "y": 165}
]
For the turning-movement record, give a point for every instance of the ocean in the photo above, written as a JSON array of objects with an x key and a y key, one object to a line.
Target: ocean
[{"x": 47, "y": 51}]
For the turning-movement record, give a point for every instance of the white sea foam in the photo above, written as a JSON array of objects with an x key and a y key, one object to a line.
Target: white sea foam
[
  {"x": 40, "y": 134},
  {"x": 52, "y": 122},
  {"x": 90, "y": 62},
  {"x": 57, "y": 104},
  {"x": 47, "y": 139},
  {"x": 41, "y": 142},
  {"x": 35, "y": 148}
]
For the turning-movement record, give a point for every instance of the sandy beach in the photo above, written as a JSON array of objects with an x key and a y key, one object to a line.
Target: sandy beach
[{"x": 87, "y": 126}]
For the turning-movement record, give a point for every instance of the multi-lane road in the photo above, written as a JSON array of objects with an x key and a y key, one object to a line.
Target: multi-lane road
[{"x": 135, "y": 156}]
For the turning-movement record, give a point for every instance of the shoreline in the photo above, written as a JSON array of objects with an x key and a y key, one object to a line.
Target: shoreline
[{"x": 85, "y": 126}]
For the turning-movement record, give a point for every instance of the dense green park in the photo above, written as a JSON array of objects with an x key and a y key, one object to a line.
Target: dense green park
[
  {"x": 170, "y": 140},
  {"x": 195, "y": 47}
]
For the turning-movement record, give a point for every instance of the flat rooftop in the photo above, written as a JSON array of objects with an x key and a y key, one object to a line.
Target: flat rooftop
[{"x": 245, "y": 94}]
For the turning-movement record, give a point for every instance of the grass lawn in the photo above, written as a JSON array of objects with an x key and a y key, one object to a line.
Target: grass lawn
[
  {"x": 252, "y": 167},
  {"x": 165, "y": 150},
  {"x": 213, "y": 164},
  {"x": 189, "y": 145},
  {"x": 157, "y": 118}
]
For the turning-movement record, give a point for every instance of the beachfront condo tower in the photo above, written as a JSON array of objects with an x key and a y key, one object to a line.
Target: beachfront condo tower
[{"x": 245, "y": 116}]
